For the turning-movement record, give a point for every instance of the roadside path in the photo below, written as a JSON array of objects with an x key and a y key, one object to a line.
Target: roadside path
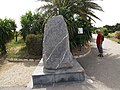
[{"x": 107, "y": 69}]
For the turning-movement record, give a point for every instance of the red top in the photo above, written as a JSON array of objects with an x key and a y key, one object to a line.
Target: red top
[{"x": 99, "y": 39}]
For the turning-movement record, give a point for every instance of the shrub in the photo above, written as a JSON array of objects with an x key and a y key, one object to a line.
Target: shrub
[
  {"x": 105, "y": 32},
  {"x": 111, "y": 31},
  {"x": 119, "y": 41},
  {"x": 117, "y": 34},
  {"x": 34, "y": 44}
]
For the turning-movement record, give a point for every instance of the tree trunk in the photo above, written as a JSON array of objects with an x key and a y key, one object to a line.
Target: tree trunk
[{"x": 16, "y": 36}]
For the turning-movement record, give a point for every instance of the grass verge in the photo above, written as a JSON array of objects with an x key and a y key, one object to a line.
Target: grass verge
[
  {"x": 19, "y": 50},
  {"x": 111, "y": 36}
]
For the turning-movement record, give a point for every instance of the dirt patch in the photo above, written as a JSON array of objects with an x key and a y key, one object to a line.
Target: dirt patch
[
  {"x": 4, "y": 65},
  {"x": 81, "y": 51},
  {"x": 16, "y": 49}
]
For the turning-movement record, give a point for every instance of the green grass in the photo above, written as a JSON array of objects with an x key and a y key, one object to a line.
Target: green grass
[
  {"x": 19, "y": 50},
  {"x": 13, "y": 43},
  {"x": 111, "y": 34},
  {"x": 15, "y": 49}
]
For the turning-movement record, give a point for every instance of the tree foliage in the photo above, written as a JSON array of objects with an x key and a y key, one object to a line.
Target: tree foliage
[
  {"x": 7, "y": 29},
  {"x": 77, "y": 13},
  {"x": 31, "y": 23}
]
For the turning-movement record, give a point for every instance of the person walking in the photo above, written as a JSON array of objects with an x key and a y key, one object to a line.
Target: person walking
[{"x": 99, "y": 42}]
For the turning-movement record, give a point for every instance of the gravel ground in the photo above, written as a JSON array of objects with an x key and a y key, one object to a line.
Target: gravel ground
[{"x": 16, "y": 73}]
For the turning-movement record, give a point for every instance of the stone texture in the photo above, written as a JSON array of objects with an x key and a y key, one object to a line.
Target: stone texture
[
  {"x": 41, "y": 78},
  {"x": 56, "y": 51}
]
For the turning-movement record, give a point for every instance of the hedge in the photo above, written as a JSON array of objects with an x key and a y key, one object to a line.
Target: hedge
[{"x": 34, "y": 44}]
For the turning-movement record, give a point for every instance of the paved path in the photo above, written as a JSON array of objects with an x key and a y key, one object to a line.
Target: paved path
[
  {"x": 107, "y": 69},
  {"x": 102, "y": 73}
]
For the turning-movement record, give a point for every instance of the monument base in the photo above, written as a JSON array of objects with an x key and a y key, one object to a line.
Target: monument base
[{"x": 41, "y": 77}]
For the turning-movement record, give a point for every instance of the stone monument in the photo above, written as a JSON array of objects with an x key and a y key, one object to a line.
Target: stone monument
[
  {"x": 56, "y": 51},
  {"x": 57, "y": 63}
]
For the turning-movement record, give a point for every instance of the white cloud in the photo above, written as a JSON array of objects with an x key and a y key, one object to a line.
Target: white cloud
[{"x": 111, "y": 14}]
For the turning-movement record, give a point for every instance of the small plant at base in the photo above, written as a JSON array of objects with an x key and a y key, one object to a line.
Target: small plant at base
[
  {"x": 119, "y": 41},
  {"x": 117, "y": 34}
]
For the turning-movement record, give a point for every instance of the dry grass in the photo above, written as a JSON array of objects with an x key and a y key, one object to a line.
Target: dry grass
[{"x": 112, "y": 37}]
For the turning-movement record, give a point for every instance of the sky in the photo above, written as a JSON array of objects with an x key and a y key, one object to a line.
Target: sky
[
  {"x": 111, "y": 14},
  {"x": 16, "y": 8}
]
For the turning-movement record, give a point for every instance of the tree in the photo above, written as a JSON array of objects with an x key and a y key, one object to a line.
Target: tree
[
  {"x": 83, "y": 9},
  {"x": 31, "y": 23},
  {"x": 38, "y": 23},
  {"x": 117, "y": 26},
  {"x": 7, "y": 29},
  {"x": 26, "y": 23},
  {"x": 104, "y": 31},
  {"x": 111, "y": 28}
]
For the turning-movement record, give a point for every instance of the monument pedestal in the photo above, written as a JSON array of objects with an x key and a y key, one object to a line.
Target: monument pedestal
[{"x": 41, "y": 77}]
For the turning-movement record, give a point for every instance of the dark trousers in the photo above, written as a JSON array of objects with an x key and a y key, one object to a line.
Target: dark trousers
[{"x": 100, "y": 49}]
